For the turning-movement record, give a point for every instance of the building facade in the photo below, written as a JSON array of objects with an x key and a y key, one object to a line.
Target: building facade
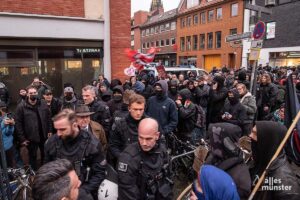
[
  {"x": 62, "y": 42},
  {"x": 160, "y": 31},
  {"x": 281, "y": 45},
  {"x": 202, "y": 27},
  {"x": 138, "y": 19}
]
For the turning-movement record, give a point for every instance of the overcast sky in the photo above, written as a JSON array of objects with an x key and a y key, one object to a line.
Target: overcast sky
[{"x": 145, "y": 5}]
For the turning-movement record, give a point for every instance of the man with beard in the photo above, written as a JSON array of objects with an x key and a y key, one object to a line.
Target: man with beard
[
  {"x": 33, "y": 126},
  {"x": 266, "y": 137},
  {"x": 124, "y": 130},
  {"x": 234, "y": 112},
  {"x": 40, "y": 86},
  {"x": 173, "y": 90},
  {"x": 162, "y": 108},
  {"x": 100, "y": 109},
  {"x": 116, "y": 102},
  {"x": 81, "y": 148}
]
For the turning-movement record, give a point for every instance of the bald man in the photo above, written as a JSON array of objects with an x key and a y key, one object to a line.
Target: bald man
[{"x": 143, "y": 166}]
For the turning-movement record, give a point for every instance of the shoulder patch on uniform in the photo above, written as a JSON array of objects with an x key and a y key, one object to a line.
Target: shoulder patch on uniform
[{"x": 122, "y": 167}]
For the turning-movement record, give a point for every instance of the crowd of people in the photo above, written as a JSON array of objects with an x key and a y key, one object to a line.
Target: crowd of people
[{"x": 71, "y": 139}]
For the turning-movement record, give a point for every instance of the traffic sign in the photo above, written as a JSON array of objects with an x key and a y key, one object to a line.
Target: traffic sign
[
  {"x": 235, "y": 37},
  {"x": 254, "y": 54},
  {"x": 256, "y": 44},
  {"x": 259, "y": 30}
]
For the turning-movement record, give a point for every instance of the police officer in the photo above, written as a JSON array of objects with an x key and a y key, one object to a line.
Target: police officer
[
  {"x": 143, "y": 167},
  {"x": 79, "y": 147},
  {"x": 125, "y": 130}
]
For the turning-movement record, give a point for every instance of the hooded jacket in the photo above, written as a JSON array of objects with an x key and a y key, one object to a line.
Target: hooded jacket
[
  {"x": 173, "y": 94},
  {"x": 269, "y": 136},
  {"x": 249, "y": 102},
  {"x": 186, "y": 115},
  {"x": 163, "y": 109},
  {"x": 113, "y": 104},
  {"x": 236, "y": 109},
  {"x": 226, "y": 155},
  {"x": 216, "y": 101}
]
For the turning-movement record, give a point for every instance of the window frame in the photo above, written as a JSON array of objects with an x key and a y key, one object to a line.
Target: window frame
[{"x": 237, "y": 9}]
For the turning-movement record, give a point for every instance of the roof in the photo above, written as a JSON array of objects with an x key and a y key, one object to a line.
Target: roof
[{"x": 161, "y": 17}]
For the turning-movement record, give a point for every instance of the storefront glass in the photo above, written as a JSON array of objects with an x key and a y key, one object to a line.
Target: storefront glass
[{"x": 54, "y": 66}]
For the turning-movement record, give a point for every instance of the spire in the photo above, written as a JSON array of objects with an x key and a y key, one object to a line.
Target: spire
[{"x": 155, "y": 5}]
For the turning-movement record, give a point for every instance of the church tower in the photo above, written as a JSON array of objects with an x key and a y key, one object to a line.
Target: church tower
[{"x": 156, "y": 7}]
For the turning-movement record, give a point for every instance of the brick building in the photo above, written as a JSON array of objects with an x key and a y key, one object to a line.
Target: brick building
[
  {"x": 62, "y": 41},
  {"x": 202, "y": 27},
  {"x": 138, "y": 19},
  {"x": 160, "y": 31}
]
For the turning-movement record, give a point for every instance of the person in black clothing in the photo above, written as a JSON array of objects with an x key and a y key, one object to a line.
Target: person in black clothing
[
  {"x": 33, "y": 125},
  {"x": 81, "y": 148},
  {"x": 125, "y": 130},
  {"x": 266, "y": 96},
  {"x": 194, "y": 89},
  {"x": 148, "y": 91},
  {"x": 203, "y": 95},
  {"x": 173, "y": 90},
  {"x": 102, "y": 114},
  {"x": 116, "y": 102},
  {"x": 53, "y": 103},
  {"x": 69, "y": 99},
  {"x": 143, "y": 167},
  {"x": 234, "y": 112},
  {"x": 225, "y": 154},
  {"x": 266, "y": 137},
  {"x": 4, "y": 94},
  {"x": 122, "y": 113},
  {"x": 217, "y": 97},
  {"x": 186, "y": 114}
]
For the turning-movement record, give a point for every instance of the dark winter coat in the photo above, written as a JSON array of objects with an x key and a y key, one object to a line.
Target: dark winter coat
[
  {"x": 163, "y": 110},
  {"x": 203, "y": 95},
  {"x": 101, "y": 115},
  {"x": 32, "y": 119}
]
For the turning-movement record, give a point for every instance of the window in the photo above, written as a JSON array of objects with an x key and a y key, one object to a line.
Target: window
[
  {"x": 157, "y": 43},
  {"x": 173, "y": 26},
  {"x": 233, "y": 31},
  {"x": 173, "y": 41},
  {"x": 195, "y": 42},
  {"x": 182, "y": 22},
  {"x": 167, "y": 26},
  {"x": 147, "y": 32},
  {"x": 157, "y": 29},
  {"x": 196, "y": 19},
  {"x": 182, "y": 44},
  {"x": 203, "y": 18},
  {"x": 188, "y": 43},
  {"x": 144, "y": 45},
  {"x": 162, "y": 28},
  {"x": 210, "y": 15},
  {"x": 162, "y": 43},
  {"x": 192, "y": 3},
  {"x": 219, "y": 13},
  {"x": 143, "y": 32},
  {"x": 152, "y": 30},
  {"x": 189, "y": 21},
  {"x": 202, "y": 41},
  {"x": 148, "y": 44},
  {"x": 218, "y": 39},
  {"x": 234, "y": 9},
  {"x": 167, "y": 42},
  {"x": 152, "y": 44},
  {"x": 209, "y": 40}
]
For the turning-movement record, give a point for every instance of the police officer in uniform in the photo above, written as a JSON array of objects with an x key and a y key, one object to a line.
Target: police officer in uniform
[
  {"x": 79, "y": 147},
  {"x": 143, "y": 167}
]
